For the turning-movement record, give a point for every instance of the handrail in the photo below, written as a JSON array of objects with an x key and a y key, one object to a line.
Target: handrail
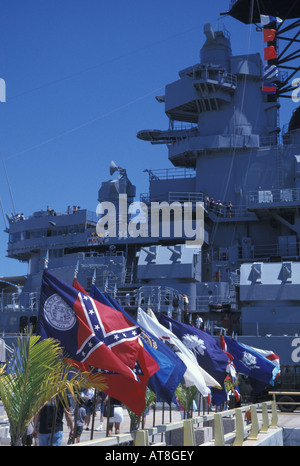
[
  {"x": 237, "y": 437},
  {"x": 285, "y": 393},
  {"x": 243, "y": 432}
]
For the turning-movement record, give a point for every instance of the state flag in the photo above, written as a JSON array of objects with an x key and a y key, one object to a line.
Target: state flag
[
  {"x": 206, "y": 349},
  {"x": 195, "y": 374},
  {"x": 270, "y": 355},
  {"x": 251, "y": 363}
]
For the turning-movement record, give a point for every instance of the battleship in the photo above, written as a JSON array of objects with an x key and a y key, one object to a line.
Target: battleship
[{"x": 228, "y": 155}]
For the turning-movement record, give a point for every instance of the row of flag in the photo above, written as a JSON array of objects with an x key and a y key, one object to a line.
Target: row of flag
[
  {"x": 269, "y": 28},
  {"x": 98, "y": 335}
]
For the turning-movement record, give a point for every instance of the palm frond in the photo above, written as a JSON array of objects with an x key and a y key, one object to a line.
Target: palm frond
[
  {"x": 186, "y": 395},
  {"x": 35, "y": 373},
  {"x": 150, "y": 397}
]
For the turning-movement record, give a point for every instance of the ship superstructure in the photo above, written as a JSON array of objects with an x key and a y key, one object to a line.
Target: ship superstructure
[{"x": 227, "y": 152}]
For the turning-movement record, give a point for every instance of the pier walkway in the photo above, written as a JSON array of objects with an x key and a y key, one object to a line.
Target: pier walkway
[{"x": 166, "y": 428}]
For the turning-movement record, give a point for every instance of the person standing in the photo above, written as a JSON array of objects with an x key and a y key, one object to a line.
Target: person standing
[
  {"x": 117, "y": 418},
  {"x": 102, "y": 397},
  {"x": 88, "y": 397},
  {"x": 199, "y": 321},
  {"x": 80, "y": 418},
  {"x": 48, "y": 423},
  {"x": 186, "y": 316}
]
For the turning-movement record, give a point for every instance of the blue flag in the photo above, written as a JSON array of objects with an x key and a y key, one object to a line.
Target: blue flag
[
  {"x": 251, "y": 363},
  {"x": 209, "y": 354},
  {"x": 165, "y": 381},
  {"x": 218, "y": 396}
]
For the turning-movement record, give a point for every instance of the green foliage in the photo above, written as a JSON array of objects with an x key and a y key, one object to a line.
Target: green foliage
[
  {"x": 35, "y": 373},
  {"x": 230, "y": 384},
  {"x": 150, "y": 398},
  {"x": 185, "y": 396}
]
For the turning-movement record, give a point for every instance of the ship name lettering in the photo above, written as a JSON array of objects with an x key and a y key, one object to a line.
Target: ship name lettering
[{"x": 296, "y": 352}]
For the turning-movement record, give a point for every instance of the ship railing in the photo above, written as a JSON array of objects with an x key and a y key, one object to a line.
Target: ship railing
[
  {"x": 181, "y": 136},
  {"x": 223, "y": 428},
  {"x": 110, "y": 253},
  {"x": 180, "y": 126},
  {"x": 156, "y": 297},
  {"x": 171, "y": 173},
  {"x": 204, "y": 302},
  {"x": 223, "y": 210},
  {"x": 15, "y": 302},
  {"x": 262, "y": 329},
  {"x": 226, "y": 210},
  {"x": 256, "y": 252},
  {"x": 265, "y": 251},
  {"x": 185, "y": 197},
  {"x": 172, "y": 197},
  {"x": 268, "y": 197},
  {"x": 168, "y": 300},
  {"x": 90, "y": 215},
  {"x": 207, "y": 73},
  {"x": 289, "y": 137},
  {"x": 159, "y": 298},
  {"x": 269, "y": 140},
  {"x": 291, "y": 404}
]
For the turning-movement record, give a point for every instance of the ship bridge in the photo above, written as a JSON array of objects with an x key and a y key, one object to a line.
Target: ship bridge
[
  {"x": 202, "y": 87},
  {"x": 212, "y": 98}
]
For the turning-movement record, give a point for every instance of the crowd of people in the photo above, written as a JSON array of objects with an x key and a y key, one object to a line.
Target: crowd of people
[
  {"x": 70, "y": 210},
  {"x": 16, "y": 217},
  {"x": 47, "y": 426},
  {"x": 222, "y": 209}
]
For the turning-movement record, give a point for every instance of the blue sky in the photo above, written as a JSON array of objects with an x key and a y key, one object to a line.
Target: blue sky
[{"x": 81, "y": 79}]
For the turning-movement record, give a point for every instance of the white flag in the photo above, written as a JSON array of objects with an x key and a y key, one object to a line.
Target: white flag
[{"x": 195, "y": 374}]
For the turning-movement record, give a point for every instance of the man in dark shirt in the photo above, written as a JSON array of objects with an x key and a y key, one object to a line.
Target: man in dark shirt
[{"x": 44, "y": 421}]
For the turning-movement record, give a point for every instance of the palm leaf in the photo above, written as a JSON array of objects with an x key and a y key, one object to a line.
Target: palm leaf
[
  {"x": 150, "y": 397},
  {"x": 186, "y": 396},
  {"x": 34, "y": 374}
]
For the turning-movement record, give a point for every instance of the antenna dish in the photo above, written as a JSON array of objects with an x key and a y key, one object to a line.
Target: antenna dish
[{"x": 113, "y": 167}]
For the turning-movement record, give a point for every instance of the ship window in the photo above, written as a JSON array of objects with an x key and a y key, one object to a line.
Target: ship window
[
  {"x": 53, "y": 253},
  {"x": 15, "y": 237},
  {"x": 37, "y": 233}
]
